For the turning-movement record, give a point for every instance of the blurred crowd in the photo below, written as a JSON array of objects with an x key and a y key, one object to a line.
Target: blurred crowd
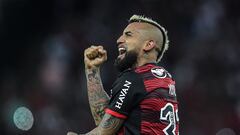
[{"x": 42, "y": 68}]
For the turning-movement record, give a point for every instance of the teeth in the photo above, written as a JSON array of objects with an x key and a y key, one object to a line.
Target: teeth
[{"x": 121, "y": 49}]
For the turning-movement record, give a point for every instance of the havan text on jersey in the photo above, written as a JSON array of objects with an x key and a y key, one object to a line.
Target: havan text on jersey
[{"x": 123, "y": 94}]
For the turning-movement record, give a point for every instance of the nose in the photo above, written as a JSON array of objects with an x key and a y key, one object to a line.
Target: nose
[{"x": 120, "y": 40}]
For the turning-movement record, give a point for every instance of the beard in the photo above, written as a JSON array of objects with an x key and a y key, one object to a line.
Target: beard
[{"x": 129, "y": 60}]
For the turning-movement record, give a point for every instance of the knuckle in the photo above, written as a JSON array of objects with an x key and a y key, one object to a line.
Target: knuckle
[{"x": 87, "y": 50}]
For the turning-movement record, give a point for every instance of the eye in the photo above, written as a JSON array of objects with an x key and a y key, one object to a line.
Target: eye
[{"x": 128, "y": 33}]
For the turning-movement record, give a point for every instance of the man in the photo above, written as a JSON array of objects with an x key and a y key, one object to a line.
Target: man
[{"x": 143, "y": 98}]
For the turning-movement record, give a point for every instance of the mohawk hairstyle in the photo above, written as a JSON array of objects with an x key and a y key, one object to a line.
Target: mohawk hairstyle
[{"x": 165, "y": 44}]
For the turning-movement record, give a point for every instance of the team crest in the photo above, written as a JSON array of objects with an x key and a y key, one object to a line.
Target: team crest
[{"x": 158, "y": 72}]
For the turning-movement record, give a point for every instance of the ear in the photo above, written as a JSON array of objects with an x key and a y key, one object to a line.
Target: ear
[{"x": 149, "y": 45}]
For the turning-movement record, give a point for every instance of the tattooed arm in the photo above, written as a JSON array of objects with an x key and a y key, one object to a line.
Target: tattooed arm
[
  {"x": 94, "y": 57},
  {"x": 108, "y": 126},
  {"x": 98, "y": 98}
]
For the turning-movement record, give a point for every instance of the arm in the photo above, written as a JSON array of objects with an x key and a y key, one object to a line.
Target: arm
[
  {"x": 108, "y": 126},
  {"x": 98, "y": 98}
]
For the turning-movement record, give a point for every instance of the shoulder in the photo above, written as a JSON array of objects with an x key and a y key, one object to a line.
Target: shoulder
[
  {"x": 153, "y": 70},
  {"x": 155, "y": 77}
]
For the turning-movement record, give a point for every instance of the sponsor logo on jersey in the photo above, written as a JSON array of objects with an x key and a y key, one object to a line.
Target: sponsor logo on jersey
[
  {"x": 159, "y": 72},
  {"x": 123, "y": 94}
]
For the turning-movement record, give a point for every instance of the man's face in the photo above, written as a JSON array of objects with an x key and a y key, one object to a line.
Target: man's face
[{"x": 129, "y": 46}]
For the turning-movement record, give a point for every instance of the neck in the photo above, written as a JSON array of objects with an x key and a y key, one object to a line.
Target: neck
[
  {"x": 143, "y": 62},
  {"x": 145, "y": 58}
]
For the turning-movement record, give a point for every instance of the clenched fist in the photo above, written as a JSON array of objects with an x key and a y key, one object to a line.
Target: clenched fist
[{"x": 94, "y": 56}]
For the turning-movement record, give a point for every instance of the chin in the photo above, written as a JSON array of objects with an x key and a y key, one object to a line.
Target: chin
[{"x": 127, "y": 61}]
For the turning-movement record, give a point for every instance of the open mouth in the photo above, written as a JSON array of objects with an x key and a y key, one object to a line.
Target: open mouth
[{"x": 122, "y": 51}]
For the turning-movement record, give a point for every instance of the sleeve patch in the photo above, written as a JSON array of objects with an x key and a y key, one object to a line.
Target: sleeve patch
[{"x": 159, "y": 72}]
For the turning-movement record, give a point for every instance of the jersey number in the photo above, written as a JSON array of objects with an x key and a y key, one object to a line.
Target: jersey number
[{"x": 168, "y": 115}]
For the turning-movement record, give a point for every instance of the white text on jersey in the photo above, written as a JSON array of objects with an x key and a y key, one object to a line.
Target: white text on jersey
[{"x": 123, "y": 94}]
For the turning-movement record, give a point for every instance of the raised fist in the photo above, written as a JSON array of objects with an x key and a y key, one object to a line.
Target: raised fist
[{"x": 94, "y": 57}]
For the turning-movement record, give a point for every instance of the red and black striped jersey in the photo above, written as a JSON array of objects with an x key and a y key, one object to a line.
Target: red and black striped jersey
[{"x": 146, "y": 98}]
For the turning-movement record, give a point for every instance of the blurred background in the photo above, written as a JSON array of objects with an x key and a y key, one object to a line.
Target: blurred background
[{"x": 41, "y": 55}]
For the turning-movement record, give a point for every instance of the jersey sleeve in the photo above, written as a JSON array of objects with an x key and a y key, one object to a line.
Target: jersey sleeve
[{"x": 127, "y": 93}]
